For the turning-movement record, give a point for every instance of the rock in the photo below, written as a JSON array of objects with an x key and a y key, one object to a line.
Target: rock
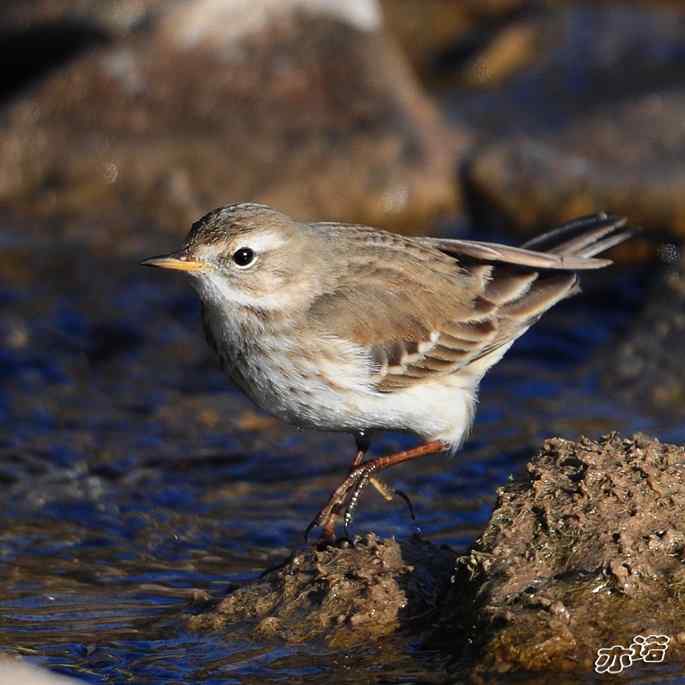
[
  {"x": 121, "y": 16},
  {"x": 428, "y": 29},
  {"x": 345, "y": 595},
  {"x": 303, "y": 105},
  {"x": 587, "y": 55},
  {"x": 484, "y": 43},
  {"x": 646, "y": 368},
  {"x": 111, "y": 17},
  {"x": 625, "y": 159},
  {"x": 602, "y": 114},
  {"x": 512, "y": 48},
  {"x": 585, "y": 551}
]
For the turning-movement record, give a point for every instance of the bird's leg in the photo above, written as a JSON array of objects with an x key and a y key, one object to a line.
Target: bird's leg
[
  {"x": 387, "y": 492},
  {"x": 352, "y": 502},
  {"x": 363, "y": 471},
  {"x": 363, "y": 442}
]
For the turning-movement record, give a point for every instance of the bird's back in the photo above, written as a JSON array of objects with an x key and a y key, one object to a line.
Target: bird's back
[{"x": 429, "y": 307}]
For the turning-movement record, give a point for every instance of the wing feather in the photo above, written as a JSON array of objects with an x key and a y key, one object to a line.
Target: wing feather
[{"x": 423, "y": 308}]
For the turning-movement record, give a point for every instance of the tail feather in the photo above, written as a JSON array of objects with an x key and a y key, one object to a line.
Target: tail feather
[
  {"x": 606, "y": 244},
  {"x": 571, "y": 247},
  {"x": 583, "y": 237}
]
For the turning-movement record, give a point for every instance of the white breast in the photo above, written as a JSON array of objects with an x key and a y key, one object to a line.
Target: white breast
[{"x": 327, "y": 385}]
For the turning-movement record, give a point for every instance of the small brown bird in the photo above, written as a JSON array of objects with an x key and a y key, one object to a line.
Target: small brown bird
[{"x": 348, "y": 328}]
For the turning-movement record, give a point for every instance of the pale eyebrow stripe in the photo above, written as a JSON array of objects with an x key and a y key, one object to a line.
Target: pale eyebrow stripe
[
  {"x": 259, "y": 242},
  {"x": 262, "y": 242}
]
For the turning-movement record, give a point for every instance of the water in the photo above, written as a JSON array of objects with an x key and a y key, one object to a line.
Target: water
[{"x": 138, "y": 486}]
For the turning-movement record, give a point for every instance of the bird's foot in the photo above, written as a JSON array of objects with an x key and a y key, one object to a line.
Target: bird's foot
[
  {"x": 387, "y": 492},
  {"x": 352, "y": 486},
  {"x": 326, "y": 518},
  {"x": 349, "y": 491}
]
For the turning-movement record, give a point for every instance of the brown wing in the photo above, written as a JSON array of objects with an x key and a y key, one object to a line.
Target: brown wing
[{"x": 428, "y": 307}]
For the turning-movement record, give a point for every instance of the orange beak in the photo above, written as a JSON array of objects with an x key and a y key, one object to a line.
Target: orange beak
[{"x": 173, "y": 262}]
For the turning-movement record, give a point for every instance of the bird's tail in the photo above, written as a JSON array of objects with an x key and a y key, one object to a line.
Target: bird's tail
[
  {"x": 571, "y": 247},
  {"x": 584, "y": 237}
]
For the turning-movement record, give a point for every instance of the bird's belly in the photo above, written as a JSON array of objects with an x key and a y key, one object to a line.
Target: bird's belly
[
  {"x": 302, "y": 393},
  {"x": 329, "y": 387},
  {"x": 442, "y": 409},
  {"x": 299, "y": 388}
]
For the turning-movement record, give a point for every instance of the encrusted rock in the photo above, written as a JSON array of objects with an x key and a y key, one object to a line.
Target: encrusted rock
[
  {"x": 586, "y": 551},
  {"x": 345, "y": 595}
]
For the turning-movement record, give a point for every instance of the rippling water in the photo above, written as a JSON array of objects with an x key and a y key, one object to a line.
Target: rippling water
[{"x": 137, "y": 486}]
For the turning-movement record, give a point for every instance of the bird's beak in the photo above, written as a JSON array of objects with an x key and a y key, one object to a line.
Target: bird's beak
[{"x": 175, "y": 261}]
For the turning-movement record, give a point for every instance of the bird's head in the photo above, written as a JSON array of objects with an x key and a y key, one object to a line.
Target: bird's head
[{"x": 248, "y": 255}]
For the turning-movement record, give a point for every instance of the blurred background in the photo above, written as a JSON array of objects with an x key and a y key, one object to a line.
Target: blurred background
[{"x": 136, "y": 482}]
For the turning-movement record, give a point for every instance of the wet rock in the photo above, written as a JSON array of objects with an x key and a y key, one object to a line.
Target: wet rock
[
  {"x": 602, "y": 115},
  {"x": 345, "y": 595},
  {"x": 585, "y": 551},
  {"x": 509, "y": 50},
  {"x": 646, "y": 368},
  {"x": 303, "y": 105}
]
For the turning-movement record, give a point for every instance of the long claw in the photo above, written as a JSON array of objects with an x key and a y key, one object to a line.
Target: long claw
[
  {"x": 312, "y": 524},
  {"x": 406, "y": 498}
]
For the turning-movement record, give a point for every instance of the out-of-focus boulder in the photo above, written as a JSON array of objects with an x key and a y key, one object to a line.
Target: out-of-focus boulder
[
  {"x": 430, "y": 29},
  {"x": 646, "y": 367},
  {"x": 302, "y": 104},
  {"x": 510, "y": 49},
  {"x": 114, "y": 17},
  {"x": 626, "y": 159},
  {"x": 596, "y": 124}
]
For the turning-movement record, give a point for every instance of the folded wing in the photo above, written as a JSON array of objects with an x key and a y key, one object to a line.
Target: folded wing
[{"x": 426, "y": 307}]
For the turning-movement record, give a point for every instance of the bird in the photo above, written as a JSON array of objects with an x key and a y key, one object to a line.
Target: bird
[{"x": 349, "y": 328}]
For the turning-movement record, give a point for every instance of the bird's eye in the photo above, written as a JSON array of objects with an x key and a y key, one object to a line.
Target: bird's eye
[{"x": 243, "y": 257}]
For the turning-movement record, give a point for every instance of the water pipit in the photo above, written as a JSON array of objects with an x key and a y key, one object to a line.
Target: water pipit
[{"x": 343, "y": 327}]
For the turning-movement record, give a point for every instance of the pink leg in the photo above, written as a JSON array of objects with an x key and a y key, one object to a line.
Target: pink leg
[{"x": 327, "y": 516}]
